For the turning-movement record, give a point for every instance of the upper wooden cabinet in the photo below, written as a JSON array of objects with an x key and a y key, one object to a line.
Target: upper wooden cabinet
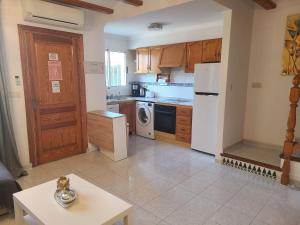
[
  {"x": 154, "y": 57},
  {"x": 194, "y": 55},
  {"x": 142, "y": 60},
  {"x": 147, "y": 60},
  {"x": 211, "y": 50},
  {"x": 172, "y": 55}
]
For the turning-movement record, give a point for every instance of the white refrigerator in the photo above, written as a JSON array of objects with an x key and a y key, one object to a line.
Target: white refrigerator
[{"x": 205, "y": 107}]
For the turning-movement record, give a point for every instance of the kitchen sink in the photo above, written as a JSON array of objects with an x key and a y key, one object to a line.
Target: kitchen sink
[
  {"x": 176, "y": 100},
  {"x": 118, "y": 98},
  {"x": 121, "y": 98}
]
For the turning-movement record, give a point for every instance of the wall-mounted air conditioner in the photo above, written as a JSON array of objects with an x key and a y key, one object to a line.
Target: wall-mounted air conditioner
[{"x": 53, "y": 14}]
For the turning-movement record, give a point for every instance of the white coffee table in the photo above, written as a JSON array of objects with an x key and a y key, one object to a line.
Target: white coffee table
[{"x": 94, "y": 206}]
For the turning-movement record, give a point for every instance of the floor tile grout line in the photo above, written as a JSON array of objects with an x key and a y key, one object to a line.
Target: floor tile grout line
[
  {"x": 222, "y": 206},
  {"x": 260, "y": 212}
]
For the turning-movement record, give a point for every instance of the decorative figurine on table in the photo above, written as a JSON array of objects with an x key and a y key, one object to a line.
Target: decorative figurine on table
[
  {"x": 64, "y": 195},
  {"x": 63, "y": 184}
]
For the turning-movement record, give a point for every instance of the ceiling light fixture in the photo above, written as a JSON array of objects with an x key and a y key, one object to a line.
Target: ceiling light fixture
[{"x": 155, "y": 26}]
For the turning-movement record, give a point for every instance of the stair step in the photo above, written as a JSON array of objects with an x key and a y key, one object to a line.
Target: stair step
[{"x": 252, "y": 166}]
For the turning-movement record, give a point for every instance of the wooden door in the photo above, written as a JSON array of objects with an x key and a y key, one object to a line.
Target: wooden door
[
  {"x": 142, "y": 60},
  {"x": 129, "y": 109},
  {"x": 212, "y": 50},
  {"x": 194, "y": 55},
  {"x": 154, "y": 54},
  {"x": 55, "y": 101},
  {"x": 172, "y": 55}
]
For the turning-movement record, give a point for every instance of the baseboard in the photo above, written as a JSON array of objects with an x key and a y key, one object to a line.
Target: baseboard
[
  {"x": 28, "y": 166},
  {"x": 170, "y": 138},
  {"x": 3, "y": 211},
  {"x": 91, "y": 148}
]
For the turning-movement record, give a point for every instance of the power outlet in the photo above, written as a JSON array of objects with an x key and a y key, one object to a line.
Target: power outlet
[{"x": 18, "y": 80}]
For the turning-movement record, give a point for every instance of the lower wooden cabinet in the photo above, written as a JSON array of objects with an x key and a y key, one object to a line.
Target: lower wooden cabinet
[
  {"x": 184, "y": 123},
  {"x": 129, "y": 109}
]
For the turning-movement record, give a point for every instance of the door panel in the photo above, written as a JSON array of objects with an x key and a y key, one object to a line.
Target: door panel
[
  {"x": 155, "y": 53},
  {"x": 55, "y": 107},
  {"x": 212, "y": 50},
  {"x": 53, "y": 139},
  {"x": 194, "y": 55},
  {"x": 142, "y": 57},
  {"x": 68, "y": 85}
]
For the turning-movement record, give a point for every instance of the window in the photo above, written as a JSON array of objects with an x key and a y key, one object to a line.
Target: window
[{"x": 115, "y": 68}]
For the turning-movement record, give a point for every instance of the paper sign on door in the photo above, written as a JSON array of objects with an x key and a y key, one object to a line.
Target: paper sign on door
[
  {"x": 53, "y": 56},
  {"x": 55, "y": 86},
  {"x": 55, "y": 70}
]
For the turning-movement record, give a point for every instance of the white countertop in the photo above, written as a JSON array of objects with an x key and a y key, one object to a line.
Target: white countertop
[
  {"x": 163, "y": 100},
  {"x": 107, "y": 114}
]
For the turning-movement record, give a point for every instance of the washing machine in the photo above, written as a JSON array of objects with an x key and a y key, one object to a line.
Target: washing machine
[{"x": 145, "y": 119}]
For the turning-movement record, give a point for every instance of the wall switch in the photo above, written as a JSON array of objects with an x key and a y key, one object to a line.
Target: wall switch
[
  {"x": 256, "y": 85},
  {"x": 18, "y": 80}
]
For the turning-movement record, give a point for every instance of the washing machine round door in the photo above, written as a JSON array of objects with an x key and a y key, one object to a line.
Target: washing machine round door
[{"x": 143, "y": 116}]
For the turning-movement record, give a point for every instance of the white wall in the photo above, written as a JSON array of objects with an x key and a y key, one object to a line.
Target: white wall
[
  {"x": 204, "y": 31},
  {"x": 268, "y": 107},
  {"x": 11, "y": 15},
  {"x": 235, "y": 60}
]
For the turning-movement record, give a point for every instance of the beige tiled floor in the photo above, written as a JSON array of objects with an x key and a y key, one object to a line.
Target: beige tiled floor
[
  {"x": 169, "y": 185},
  {"x": 265, "y": 155}
]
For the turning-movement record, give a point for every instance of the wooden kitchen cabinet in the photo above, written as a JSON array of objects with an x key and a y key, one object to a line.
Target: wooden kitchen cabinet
[
  {"x": 142, "y": 60},
  {"x": 147, "y": 60},
  {"x": 154, "y": 57},
  {"x": 194, "y": 51},
  {"x": 211, "y": 50},
  {"x": 184, "y": 123},
  {"x": 172, "y": 55},
  {"x": 129, "y": 109}
]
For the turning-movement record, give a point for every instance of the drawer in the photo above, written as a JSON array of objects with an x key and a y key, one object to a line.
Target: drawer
[
  {"x": 184, "y": 112},
  {"x": 183, "y": 120},
  {"x": 184, "y": 129}
]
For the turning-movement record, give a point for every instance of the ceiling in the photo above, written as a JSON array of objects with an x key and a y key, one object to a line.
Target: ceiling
[{"x": 179, "y": 17}]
